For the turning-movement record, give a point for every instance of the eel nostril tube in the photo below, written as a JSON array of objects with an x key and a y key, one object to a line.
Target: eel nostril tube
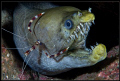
[
  {"x": 79, "y": 13},
  {"x": 89, "y": 9}
]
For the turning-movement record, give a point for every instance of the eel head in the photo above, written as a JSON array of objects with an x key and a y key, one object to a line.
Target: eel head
[{"x": 68, "y": 27}]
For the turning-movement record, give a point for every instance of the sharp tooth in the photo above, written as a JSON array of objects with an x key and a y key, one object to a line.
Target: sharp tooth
[
  {"x": 87, "y": 24},
  {"x": 82, "y": 42},
  {"x": 84, "y": 29},
  {"x": 92, "y": 47},
  {"x": 75, "y": 34},
  {"x": 86, "y": 49},
  {"x": 81, "y": 32},
  {"x": 68, "y": 40},
  {"x": 96, "y": 43},
  {"x": 78, "y": 27},
  {"x": 88, "y": 28},
  {"x": 72, "y": 37},
  {"x": 84, "y": 37},
  {"x": 90, "y": 24},
  {"x": 93, "y": 22},
  {"x": 81, "y": 24},
  {"x": 90, "y": 51}
]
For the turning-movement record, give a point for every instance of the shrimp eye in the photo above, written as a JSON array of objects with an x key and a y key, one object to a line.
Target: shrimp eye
[{"x": 68, "y": 24}]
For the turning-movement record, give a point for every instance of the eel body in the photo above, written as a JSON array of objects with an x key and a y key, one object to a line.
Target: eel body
[{"x": 58, "y": 28}]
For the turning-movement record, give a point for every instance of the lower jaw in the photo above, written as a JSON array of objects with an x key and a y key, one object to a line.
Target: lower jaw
[
  {"x": 80, "y": 53},
  {"x": 98, "y": 53},
  {"x": 81, "y": 48}
]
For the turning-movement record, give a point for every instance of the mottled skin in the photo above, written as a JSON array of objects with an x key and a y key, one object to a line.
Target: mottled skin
[{"x": 51, "y": 31}]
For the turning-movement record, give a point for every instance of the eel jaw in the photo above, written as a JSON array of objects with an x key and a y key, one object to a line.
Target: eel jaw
[
  {"x": 79, "y": 35},
  {"x": 95, "y": 54},
  {"x": 99, "y": 53}
]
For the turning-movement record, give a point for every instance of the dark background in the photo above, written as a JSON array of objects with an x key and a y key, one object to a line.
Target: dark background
[{"x": 105, "y": 30}]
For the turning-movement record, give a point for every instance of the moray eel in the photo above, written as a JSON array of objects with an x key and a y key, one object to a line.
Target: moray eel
[{"x": 58, "y": 28}]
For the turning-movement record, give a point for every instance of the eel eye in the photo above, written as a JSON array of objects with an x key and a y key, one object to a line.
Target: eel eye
[{"x": 68, "y": 24}]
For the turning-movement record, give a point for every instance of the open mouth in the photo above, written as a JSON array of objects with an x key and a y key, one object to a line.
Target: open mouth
[
  {"x": 79, "y": 36},
  {"x": 78, "y": 48}
]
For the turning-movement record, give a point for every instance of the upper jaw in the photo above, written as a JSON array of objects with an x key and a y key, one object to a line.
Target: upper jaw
[
  {"x": 79, "y": 35},
  {"x": 77, "y": 38}
]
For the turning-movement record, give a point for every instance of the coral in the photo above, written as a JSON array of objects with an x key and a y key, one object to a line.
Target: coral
[
  {"x": 110, "y": 72},
  {"x": 12, "y": 68},
  {"x": 6, "y": 18},
  {"x": 113, "y": 52}
]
